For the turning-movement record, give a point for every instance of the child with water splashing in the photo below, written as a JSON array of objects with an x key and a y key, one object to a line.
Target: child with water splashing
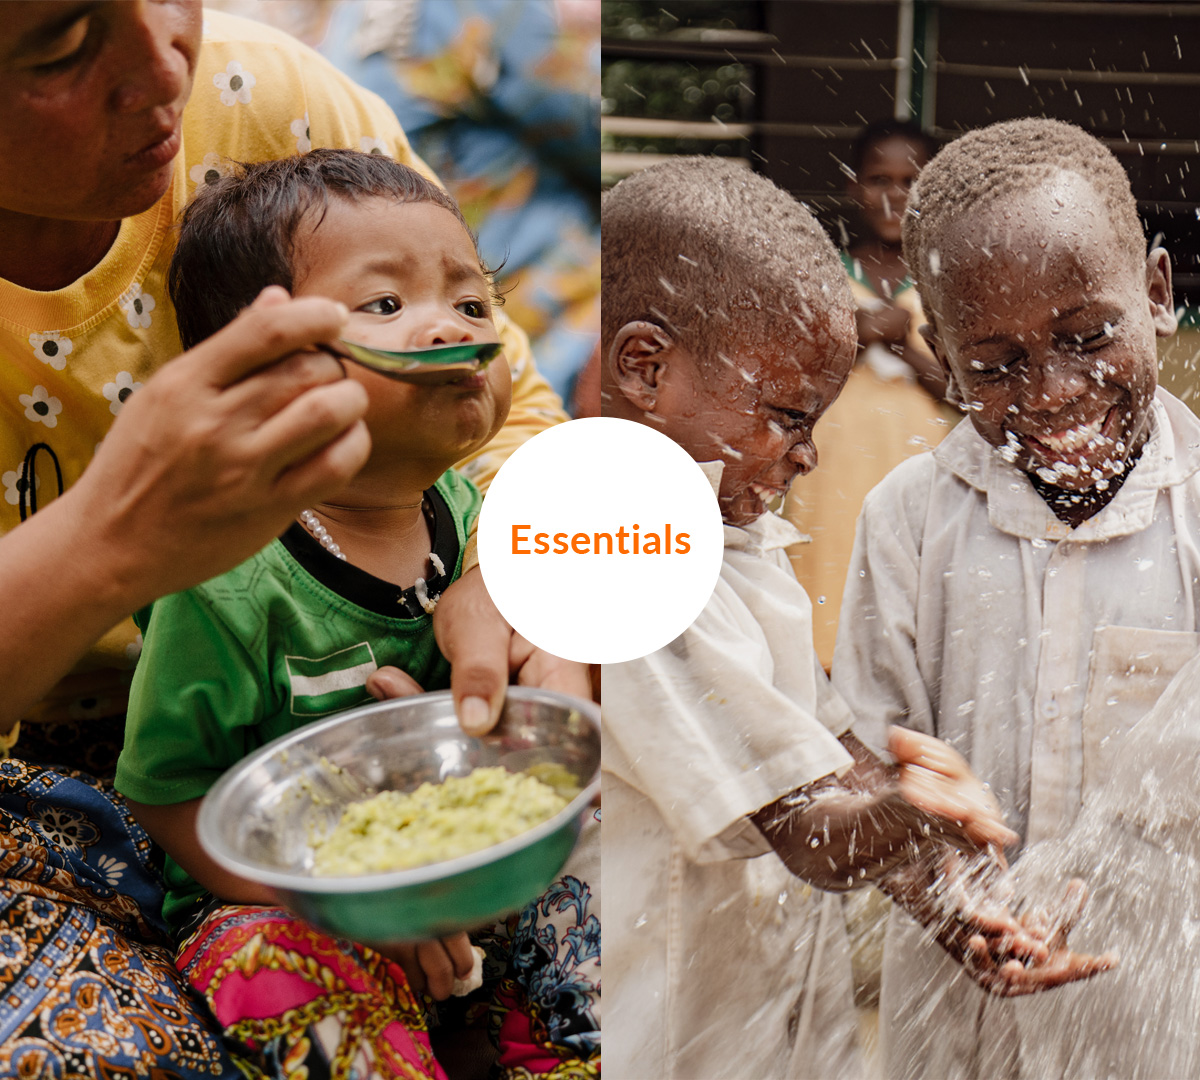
[
  {"x": 1026, "y": 591},
  {"x": 732, "y": 784}
]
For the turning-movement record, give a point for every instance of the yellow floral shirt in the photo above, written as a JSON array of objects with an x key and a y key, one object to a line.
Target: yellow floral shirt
[{"x": 69, "y": 359}]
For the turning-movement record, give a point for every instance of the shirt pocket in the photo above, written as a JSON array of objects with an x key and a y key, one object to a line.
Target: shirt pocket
[{"x": 1129, "y": 669}]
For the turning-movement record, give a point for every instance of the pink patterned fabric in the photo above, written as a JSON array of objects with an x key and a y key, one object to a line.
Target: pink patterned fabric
[{"x": 303, "y": 1003}]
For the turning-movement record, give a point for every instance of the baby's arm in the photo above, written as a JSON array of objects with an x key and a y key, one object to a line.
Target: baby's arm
[{"x": 173, "y": 828}]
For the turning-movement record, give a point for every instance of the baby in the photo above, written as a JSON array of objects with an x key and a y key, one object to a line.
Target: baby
[
  {"x": 1027, "y": 590},
  {"x": 729, "y": 768},
  {"x": 301, "y": 629}
]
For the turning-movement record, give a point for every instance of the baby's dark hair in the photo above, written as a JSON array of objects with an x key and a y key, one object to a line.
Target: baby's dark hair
[
  {"x": 881, "y": 130},
  {"x": 709, "y": 250},
  {"x": 239, "y": 233},
  {"x": 1014, "y": 156}
]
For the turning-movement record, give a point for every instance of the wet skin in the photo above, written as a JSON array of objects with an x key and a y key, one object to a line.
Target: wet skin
[
  {"x": 755, "y": 411},
  {"x": 1046, "y": 327}
]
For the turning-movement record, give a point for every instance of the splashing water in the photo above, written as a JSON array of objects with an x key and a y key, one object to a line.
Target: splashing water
[{"x": 1137, "y": 846}]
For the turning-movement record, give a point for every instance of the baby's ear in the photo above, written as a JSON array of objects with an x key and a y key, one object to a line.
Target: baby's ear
[
  {"x": 1158, "y": 290},
  {"x": 638, "y": 360}
]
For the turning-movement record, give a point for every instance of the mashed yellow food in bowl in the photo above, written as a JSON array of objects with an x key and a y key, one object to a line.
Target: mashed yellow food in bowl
[{"x": 397, "y": 830}]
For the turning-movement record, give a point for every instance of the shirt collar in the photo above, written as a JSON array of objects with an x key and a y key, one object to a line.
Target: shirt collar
[{"x": 1171, "y": 455}]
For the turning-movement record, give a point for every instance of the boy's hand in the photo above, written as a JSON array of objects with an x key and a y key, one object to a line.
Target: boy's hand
[
  {"x": 485, "y": 654},
  {"x": 431, "y": 967},
  {"x": 965, "y": 905},
  {"x": 936, "y": 779}
]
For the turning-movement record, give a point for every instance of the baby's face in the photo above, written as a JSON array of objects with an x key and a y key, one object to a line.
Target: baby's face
[
  {"x": 1047, "y": 327},
  {"x": 756, "y": 411},
  {"x": 410, "y": 276}
]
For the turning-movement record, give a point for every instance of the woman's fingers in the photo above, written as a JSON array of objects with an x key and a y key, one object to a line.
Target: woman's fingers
[
  {"x": 390, "y": 682},
  {"x": 270, "y": 329},
  {"x": 475, "y": 639}
]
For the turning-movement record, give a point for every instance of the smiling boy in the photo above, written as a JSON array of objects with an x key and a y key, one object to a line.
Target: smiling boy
[
  {"x": 732, "y": 785},
  {"x": 1026, "y": 591}
]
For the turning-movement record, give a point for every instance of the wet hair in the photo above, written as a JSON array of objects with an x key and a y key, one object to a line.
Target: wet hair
[
  {"x": 879, "y": 131},
  {"x": 1016, "y": 156},
  {"x": 710, "y": 251},
  {"x": 239, "y": 233}
]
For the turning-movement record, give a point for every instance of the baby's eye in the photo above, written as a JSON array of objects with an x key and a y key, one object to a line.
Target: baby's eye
[
  {"x": 473, "y": 309},
  {"x": 385, "y": 305}
]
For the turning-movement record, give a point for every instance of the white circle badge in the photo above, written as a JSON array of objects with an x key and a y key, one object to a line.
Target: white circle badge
[{"x": 600, "y": 540}]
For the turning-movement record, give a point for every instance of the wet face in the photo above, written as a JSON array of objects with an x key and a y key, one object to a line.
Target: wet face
[
  {"x": 91, "y": 102},
  {"x": 755, "y": 410},
  {"x": 1047, "y": 325},
  {"x": 881, "y": 189},
  {"x": 410, "y": 276}
]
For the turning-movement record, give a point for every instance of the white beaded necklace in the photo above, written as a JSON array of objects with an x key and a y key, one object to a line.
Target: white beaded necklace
[{"x": 321, "y": 534}]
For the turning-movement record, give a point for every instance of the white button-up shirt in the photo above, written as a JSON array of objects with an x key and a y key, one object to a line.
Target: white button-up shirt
[
  {"x": 717, "y": 961},
  {"x": 972, "y": 613}
]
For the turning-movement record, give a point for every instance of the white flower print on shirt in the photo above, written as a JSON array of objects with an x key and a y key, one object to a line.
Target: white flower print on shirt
[
  {"x": 303, "y": 135},
  {"x": 52, "y": 348},
  {"x": 235, "y": 83},
  {"x": 40, "y": 407},
  {"x": 211, "y": 167},
  {"x": 14, "y": 482},
  {"x": 137, "y": 306},
  {"x": 118, "y": 392},
  {"x": 371, "y": 145}
]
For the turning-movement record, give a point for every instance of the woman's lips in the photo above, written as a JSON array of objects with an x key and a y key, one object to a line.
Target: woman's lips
[{"x": 159, "y": 152}]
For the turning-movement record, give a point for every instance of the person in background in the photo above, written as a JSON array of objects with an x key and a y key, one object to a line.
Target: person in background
[{"x": 892, "y": 406}]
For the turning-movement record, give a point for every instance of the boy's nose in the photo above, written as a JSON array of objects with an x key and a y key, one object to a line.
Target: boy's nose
[
  {"x": 1053, "y": 384},
  {"x": 804, "y": 456}
]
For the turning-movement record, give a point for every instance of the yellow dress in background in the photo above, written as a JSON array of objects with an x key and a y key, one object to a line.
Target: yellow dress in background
[{"x": 881, "y": 417}]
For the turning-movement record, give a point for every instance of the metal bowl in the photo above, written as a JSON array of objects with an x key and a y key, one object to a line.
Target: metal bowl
[{"x": 259, "y": 818}]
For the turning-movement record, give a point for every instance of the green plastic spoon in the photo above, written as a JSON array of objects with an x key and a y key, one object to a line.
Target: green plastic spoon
[{"x": 441, "y": 364}]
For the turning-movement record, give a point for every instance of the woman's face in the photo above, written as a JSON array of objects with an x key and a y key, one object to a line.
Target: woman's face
[{"x": 91, "y": 103}]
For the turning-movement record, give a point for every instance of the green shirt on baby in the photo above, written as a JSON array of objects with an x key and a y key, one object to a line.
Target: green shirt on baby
[{"x": 287, "y": 637}]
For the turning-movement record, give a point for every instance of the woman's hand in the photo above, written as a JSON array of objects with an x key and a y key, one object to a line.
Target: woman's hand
[
  {"x": 485, "y": 654},
  {"x": 205, "y": 464}
]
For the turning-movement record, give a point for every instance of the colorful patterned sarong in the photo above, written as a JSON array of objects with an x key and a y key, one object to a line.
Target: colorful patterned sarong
[{"x": 87, "y": 986}]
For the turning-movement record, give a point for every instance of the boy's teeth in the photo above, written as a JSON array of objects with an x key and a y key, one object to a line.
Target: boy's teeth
[{"x": 1073, "y": 438}]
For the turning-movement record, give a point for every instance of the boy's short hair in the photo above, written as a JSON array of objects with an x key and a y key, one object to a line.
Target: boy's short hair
[
  {"x": 1014, "y": 156},
  {"x": 238, "y": 235},
  {"x": 709, "y": 250},
  {"x": 878, "y": 131}
]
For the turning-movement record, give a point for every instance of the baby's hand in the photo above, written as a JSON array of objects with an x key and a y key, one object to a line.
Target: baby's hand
[
  {"x": 432, "y": 967},
  {"x": 935, "y": 778}
]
